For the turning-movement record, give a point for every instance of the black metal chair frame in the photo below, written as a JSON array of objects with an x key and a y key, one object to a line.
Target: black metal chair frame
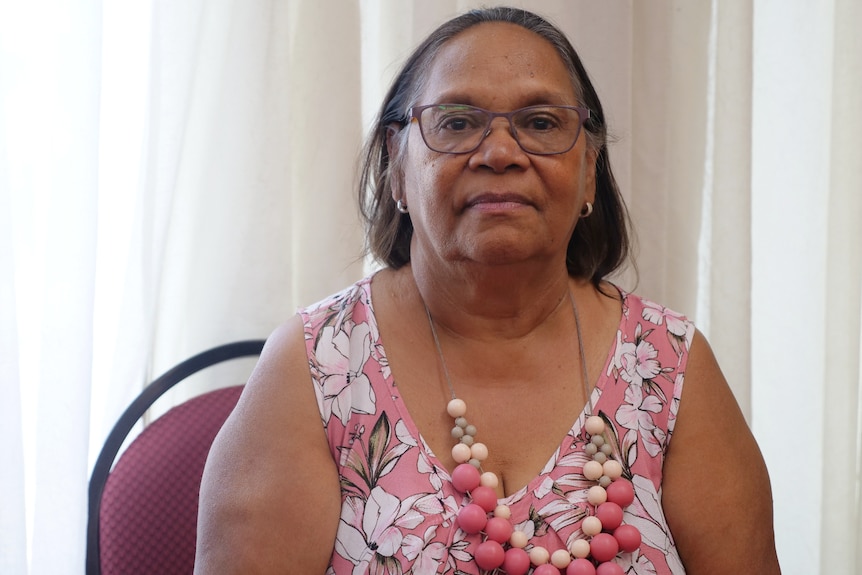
[{"x": 130, "y": 417}]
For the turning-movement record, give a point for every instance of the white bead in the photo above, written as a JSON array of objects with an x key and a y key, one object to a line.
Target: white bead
[
  {"x": 592, "y": 525},
  {"x": 580, "y": 548},
  {"x": 460, "y": 453},
  {"x": 456, "y": 408},
  {"x": 489, "y": 479},
  {"x": 612, "y": 468},
  {"x": 539, "y": 555},
  {"x": 502, "y": 511},
  {"x": 594, "y": 425},
  {"x": 597, "y": 495},
  {"x": 561, "y": 558},
  {"x": 592, "y": 470},
  {"x": 479, "y": 451},
  {"x": 518, "y": 539}
]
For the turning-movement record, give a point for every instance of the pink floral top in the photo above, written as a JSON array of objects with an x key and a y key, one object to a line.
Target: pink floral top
[{"x": 398, "y": 503}]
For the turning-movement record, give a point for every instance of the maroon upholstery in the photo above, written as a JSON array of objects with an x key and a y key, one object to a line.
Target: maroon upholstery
[{"x": 150, "y": 502}]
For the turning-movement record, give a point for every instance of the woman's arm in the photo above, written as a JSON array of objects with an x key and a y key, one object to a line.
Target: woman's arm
[
  {"x": 270, "y": 498},
  {"x": 716, "y": 493}
]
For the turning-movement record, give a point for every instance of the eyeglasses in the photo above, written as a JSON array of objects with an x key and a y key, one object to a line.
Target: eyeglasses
[{"x": 460, "y": 129}]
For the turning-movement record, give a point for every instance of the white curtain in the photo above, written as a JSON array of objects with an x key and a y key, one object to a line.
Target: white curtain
[{"x": 176, "y": 175}]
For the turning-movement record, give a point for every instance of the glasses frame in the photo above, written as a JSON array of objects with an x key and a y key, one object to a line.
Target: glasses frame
[{"x": 416, "y": 111}]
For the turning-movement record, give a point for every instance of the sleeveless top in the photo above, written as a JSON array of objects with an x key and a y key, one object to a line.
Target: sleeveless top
[{"x": 398, "y": 503}]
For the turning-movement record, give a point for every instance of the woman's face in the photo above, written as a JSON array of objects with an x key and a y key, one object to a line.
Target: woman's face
[{"x": 497, "y": 204}]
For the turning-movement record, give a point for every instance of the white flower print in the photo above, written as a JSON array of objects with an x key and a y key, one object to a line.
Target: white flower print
[
  {"x": 403, "y": 434},
  {"x": 373, "y": 528},
  {"x": 560, "y": 513},
  {"x": 427, "y": 556},
  {"x": 458, "y": 551},
  {"x": 424, "y": 465},
  {"x": 636, "y": 564},
  {"x": 656, "y": 314},
  {"x": 647, "y": 515},
  {"x": 637, "y": 414},
  {"x": 344, "y": 387},
  {"x": 636, "y": 361}
]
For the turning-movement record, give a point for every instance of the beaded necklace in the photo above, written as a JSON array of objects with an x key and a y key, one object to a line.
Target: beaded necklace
[{"x": 506, "y": 550}]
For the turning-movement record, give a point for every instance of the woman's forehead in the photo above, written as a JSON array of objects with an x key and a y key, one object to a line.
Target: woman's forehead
[{"x": 498, "y": 56}]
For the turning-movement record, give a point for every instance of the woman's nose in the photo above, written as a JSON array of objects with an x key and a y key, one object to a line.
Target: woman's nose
[{"x": 499, "y": 148}]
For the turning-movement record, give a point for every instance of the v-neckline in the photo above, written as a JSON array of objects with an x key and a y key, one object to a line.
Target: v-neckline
[{"x": 574, "y": 431}]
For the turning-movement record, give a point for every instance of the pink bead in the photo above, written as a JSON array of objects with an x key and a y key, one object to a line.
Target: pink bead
[
  {"x": 621, "y": 492},
  {"x": 610, "y": 514},
  {"x": 484, "y": 497},
  {"x": 489, "y": 555},
  {"x": 465, "y": 478},
  {"x": 516, "y": 562},
  {"x": 628, "y": 536},
  {"x": 472, "y": 518},
  {"x": 580, "y": 567},
  {"x": 609, "y": 569},
  {"x": 604, "y": 547},
  {"x": 499, "y": 529},
  {"x": 546, "y": 569}
]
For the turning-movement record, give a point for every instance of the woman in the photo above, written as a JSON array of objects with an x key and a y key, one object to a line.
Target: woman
[{"x": 490, "y": 199}]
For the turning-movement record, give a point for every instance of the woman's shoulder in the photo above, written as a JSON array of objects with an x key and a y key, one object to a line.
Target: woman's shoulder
[
  {"x": 642, "y": 313},
  {"x": 357, "y": 292}
]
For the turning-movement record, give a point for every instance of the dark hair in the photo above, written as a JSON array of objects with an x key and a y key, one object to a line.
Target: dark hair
[{"x": 600, "y": 243}]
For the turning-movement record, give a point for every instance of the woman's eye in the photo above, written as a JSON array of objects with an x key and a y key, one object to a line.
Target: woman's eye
[
  {"x": 457, "y": 123},
  {"x": 542, "y": 123}
]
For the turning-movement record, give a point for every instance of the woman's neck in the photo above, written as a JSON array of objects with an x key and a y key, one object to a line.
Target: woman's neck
[{"x": 490, "y": 302}]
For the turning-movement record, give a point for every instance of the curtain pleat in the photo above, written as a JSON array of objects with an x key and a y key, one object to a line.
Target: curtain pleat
[
  {"x": 50, "y": 117},
  {"x": 840, "y": 537}
]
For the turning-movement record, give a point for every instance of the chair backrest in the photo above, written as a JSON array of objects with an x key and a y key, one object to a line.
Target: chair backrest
[{"x": 143, "y": 512}]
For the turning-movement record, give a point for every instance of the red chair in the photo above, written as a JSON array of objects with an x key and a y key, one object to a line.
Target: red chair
[{"x": 143, "y": 512}]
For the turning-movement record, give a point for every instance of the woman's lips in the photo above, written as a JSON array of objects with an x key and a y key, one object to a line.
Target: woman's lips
[{"x": 498, "y": 201}]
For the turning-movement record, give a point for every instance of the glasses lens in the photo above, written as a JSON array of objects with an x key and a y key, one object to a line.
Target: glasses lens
[
  {"x": 458, "y": 129},
  {"x": 547, "y": 129},
  {"x": 452, "y": 128}
]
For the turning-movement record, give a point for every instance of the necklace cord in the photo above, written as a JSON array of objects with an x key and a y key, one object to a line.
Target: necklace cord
[
  {"x": 439, "y": 350},
  {"x": 582, "y": 353}
]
